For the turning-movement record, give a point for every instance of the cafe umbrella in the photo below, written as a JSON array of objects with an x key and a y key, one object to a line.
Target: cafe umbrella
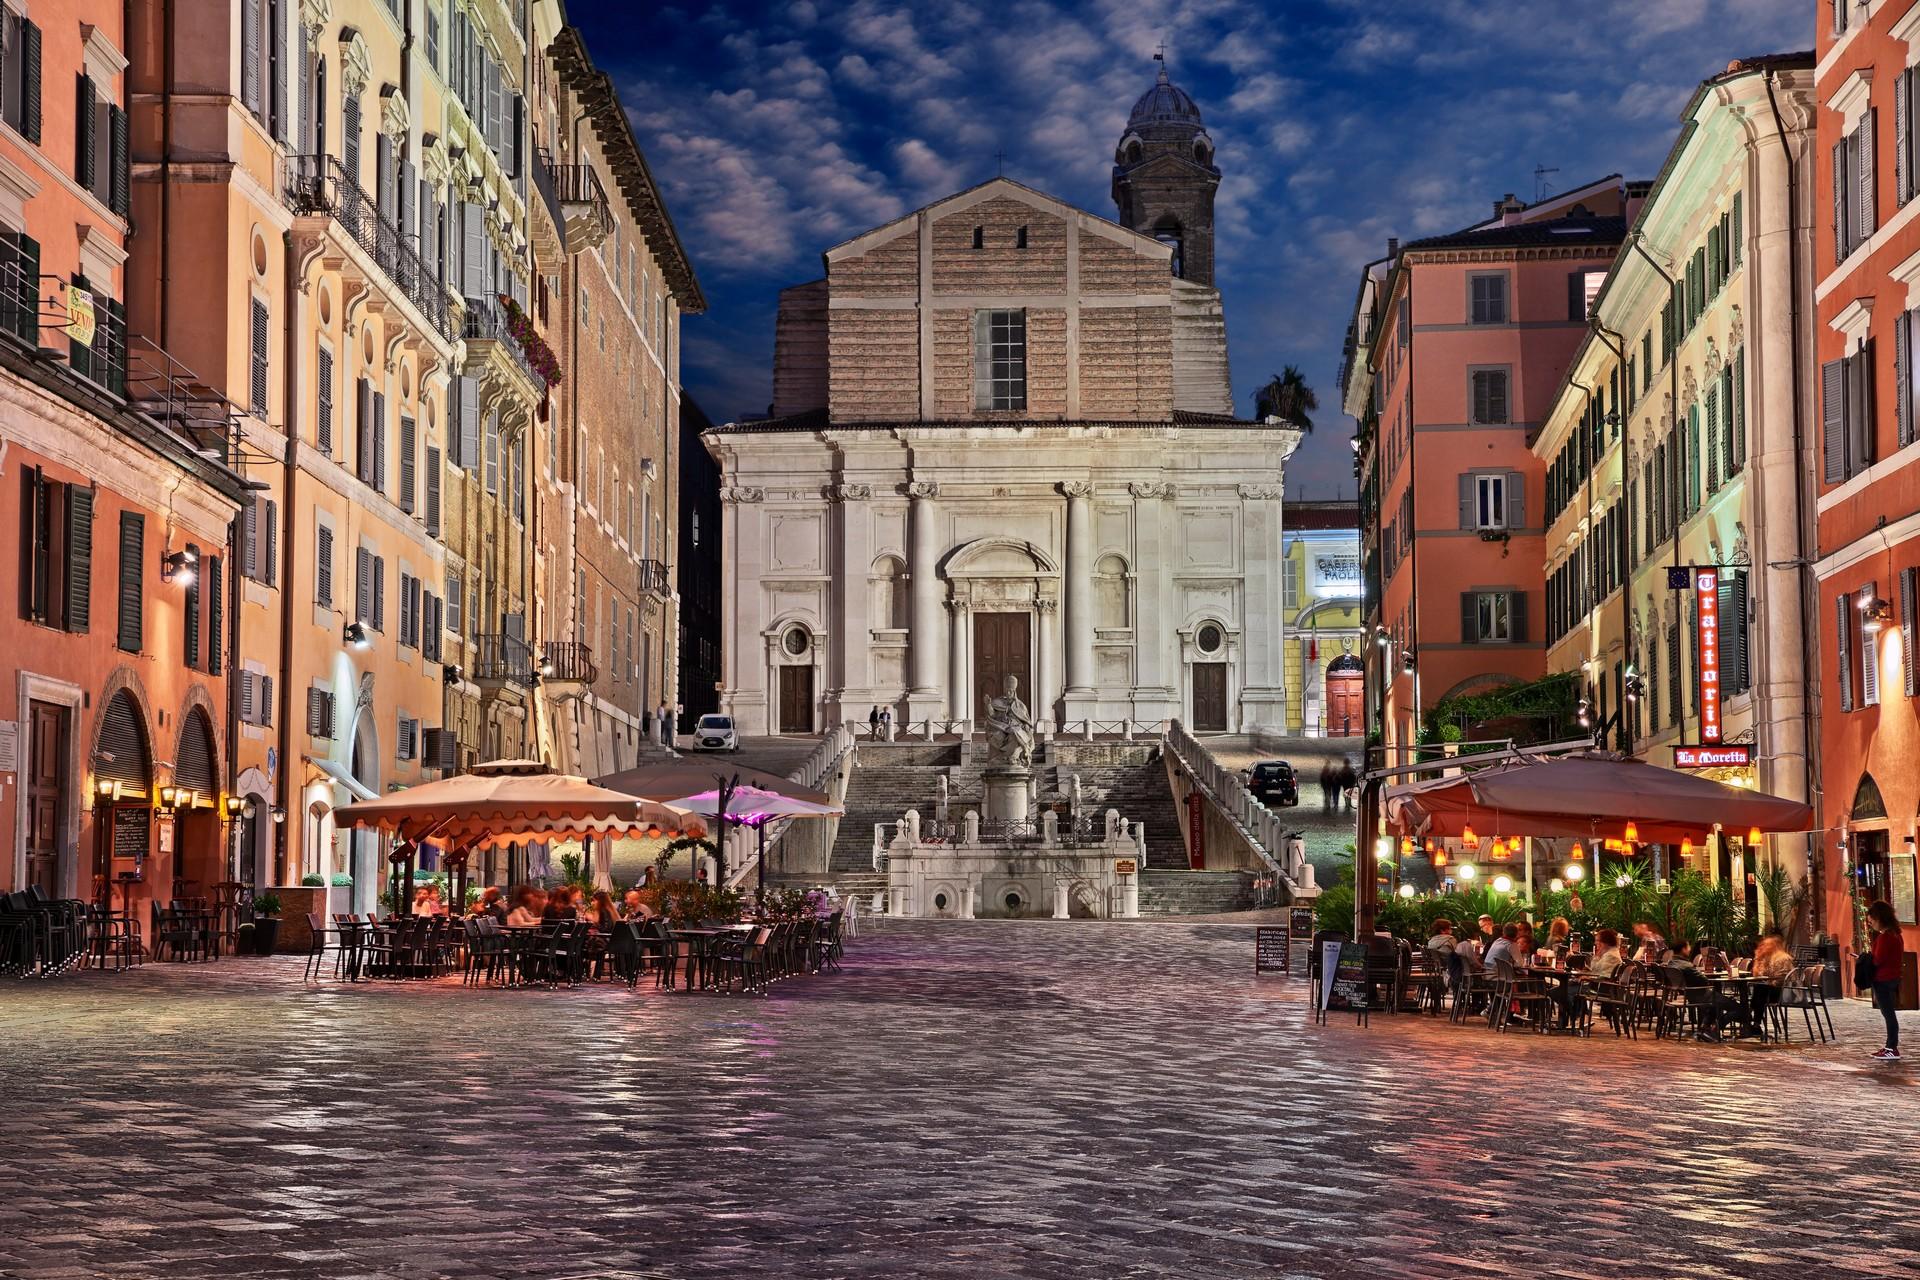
[
  {"x": 673, "y": 781},
  {"x": 502, "y": 802},
  {"x": 755, "y": 808}
]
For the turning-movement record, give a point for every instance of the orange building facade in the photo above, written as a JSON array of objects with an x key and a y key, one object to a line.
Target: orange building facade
[
  {"x": 1867, "y": 565},
  {"x": 124, "y": 486},
  {"x": 1459, "y": 345}
]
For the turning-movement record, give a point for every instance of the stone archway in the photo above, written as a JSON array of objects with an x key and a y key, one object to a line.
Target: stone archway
[{"x": 1002, "y": 598}]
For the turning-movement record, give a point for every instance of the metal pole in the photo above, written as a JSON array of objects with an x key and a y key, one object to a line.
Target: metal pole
[{"x": 760, "y": 890}]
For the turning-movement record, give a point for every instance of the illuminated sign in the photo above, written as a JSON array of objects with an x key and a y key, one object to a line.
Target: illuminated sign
[
  {"x": 1712, "y": 757},
  {"x": 1706, "y": 603}
]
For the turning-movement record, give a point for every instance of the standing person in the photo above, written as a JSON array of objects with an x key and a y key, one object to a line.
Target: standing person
[
  {"x": 666, "y": 726},
  {"x": 1349, "y": 779},
  {"x": 873, "y": 722},
  {"x": 1329, "y": 779},
  {"x": 886, "y": 723},
  {"x": 1887, "y": 952}
]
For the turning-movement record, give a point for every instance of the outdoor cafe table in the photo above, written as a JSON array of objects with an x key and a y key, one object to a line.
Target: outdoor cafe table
[
  {"x": 705, "y": 940},
  {"x": 1743, "y": 985},
  {"x": 1566, "y": 978}
]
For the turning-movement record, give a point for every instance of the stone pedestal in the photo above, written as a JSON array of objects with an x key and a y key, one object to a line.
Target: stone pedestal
[{"x": 1009, "y": 793}]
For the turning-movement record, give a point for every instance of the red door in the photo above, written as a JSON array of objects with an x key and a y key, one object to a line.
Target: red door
[
  {"x": 46, "y": 795},
  {"x": 1345, "y": 703}
]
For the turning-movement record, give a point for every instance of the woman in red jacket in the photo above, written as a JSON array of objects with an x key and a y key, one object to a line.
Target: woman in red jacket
[{"x": 1887, "y": 951}]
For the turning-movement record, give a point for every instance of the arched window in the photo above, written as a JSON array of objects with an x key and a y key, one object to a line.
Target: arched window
[
  {"x": 1133, "y": 153},
  {"x": 1202, "y": 152},
  {"x": 1110, "y": 592},
  {"x": 1867, "y": 802},
  {"x": 195, "y": 767},
  {"x": 890, "y": 600},
  {"x": 1167, "y": 232},
  {"x": 121, "y": 755}
]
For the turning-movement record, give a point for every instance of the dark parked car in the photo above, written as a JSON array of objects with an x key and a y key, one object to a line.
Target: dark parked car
[{"x": 1273, "y": 784}]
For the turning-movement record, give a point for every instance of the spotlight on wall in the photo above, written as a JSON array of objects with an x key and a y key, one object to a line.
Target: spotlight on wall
[
  {"x": 1406, "y": 662},
  {"x": 179, "y": 568},
  {"x": 1875, "y": 614},
  {"x": 356, "y": 636},
  {"x": 450, "y": 674}
]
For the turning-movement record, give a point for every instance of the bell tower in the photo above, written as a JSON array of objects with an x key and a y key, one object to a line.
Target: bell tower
[{"x": 1164, "y": 176}]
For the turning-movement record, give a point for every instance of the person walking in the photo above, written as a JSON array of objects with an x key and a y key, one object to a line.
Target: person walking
[
  {"x": 1349, "y": 779},
  {"x": 666, "y": 726},
  {"x": 886, "y": 723},
  {"x": 1888, "y": 954},
  {"x": 873, "y": 722},
  {"x": 1329, "y": 780}
]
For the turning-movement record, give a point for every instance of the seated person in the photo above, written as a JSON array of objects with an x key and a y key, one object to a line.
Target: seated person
[
  {"x": 634, "y": 907},
  {"x": 1652, "y": 948},
  {"x": 423, "y": 901},
  {"x": 491, "y": 903},
  {"x": 528, "y": 908},
  {"x": 1771, "y": 959},
  {"x": 1606, "y": 957},
  {"x": 1503, "y": 947},
  {"x": 1442, "y": 940}
]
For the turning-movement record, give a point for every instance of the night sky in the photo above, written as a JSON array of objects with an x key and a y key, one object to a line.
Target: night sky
[{"x": 779, "y": 130}]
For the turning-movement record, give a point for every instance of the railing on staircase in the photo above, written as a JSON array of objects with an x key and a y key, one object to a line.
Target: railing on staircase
[
  {"x": 1264, "y": 831},
  {"x": 816, "y": 770}
]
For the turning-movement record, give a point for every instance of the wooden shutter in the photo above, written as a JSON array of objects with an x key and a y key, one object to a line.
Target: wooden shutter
[
  {"x": 1902, "y": 171},
  {"x": 319, "y": 712},
  {"x": 1864, "y": 158},
  {"x": 384, "y": 195},
  {"x": 363, "y": 430},
  {"x": 379, "y": 593},
  {"x": 271, "y": 567},
  {"x": 120, "y": 156},
  {"x": 132, "y": 598},
  {"x": 473, "y": 250},
  {"x": 1713, "y": 439},
  {"x": 1841, "y": 186},
  {"x": 1833, "y": 420},
  {"x": 1517, "y": 617},
  {"x": 405, "y": 186},
  {"x": 216, "y": 613},
  {"x": 1737, "y": 232},
  {"x": 29, "y": 82},
  {"x": 1869, "y": 655},
  {"x": 407, "y": 446},
  {"x": 249, "y": 540},
  {"x": 469, "y": 422},
  {"x": 1469, "y": 513},
  {"x": 191, "y": 621},
  {"x": 248, "y": 696},
  {"x": 1902, "y": 371},
  {"x": 362, "y": 584},
  {"x": 83, "y": 148},
  {"x": 433, "y": 490},
  {"x": 258, "y": 387},
  {"x": 277, "y": 61},
  {"x": 1860, "y": 451},
  {"x": 323, "y": 418},
  {"x": 1843, "y": 647},
  {"x": 77, "y": 607},
  {"x": 1909, "y": 578},
  {"x": 323, "y": 566},
  {"x": 380, "y": 441},
  {"x": 1469, "y": 617},
  {"x": 1516, "y": 487},
  {"x": 350, "y": 144},
  {"x": 250, "y": 50}
]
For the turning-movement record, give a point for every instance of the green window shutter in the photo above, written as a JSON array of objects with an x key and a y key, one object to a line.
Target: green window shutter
[
  {"x": 1736, "y": 229},
  {"x": 79, "y": 575},
  {"x": 83, "y": 151},
  {"x": 133, "y": 528},
  {"x": 191, "y": 629},
  {"x": 216, "y": 615},
  {"x": 30, "y": 82},
  {"x": 1843, "y": 647},
  {"x": 120, "y": 155},
  {"x": 28, "y": 299}
]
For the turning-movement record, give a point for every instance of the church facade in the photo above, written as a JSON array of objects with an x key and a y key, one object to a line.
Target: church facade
[{"x": 1002, "y": 451}]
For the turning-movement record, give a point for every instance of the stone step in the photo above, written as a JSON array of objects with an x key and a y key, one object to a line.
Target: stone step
[{"x": 1195, "y": 892}]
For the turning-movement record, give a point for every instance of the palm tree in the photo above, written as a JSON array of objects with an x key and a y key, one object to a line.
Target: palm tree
[{"x": 1288, "y": 398}]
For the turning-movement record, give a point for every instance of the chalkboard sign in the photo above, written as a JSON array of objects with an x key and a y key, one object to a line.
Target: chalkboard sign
[
  {"x": 1300, "y": 921},
  {"x": 1343, "y": 979},
  {"x": 1272, "y": 950},
  {"x": 132, "y": 832}
]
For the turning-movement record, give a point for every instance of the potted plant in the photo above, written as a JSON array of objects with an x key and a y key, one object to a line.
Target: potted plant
[{"x": 266, "y": 922}]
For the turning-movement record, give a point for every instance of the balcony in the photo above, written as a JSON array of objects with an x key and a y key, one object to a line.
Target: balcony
[
  {"x": 567, "y": 662},
  {"x": 547, "y": 232},
  {"x": 501, "y": 659},
  {"x": 320, "y": 185},
  {"x": 653, "y": 577},
  {"x": 491, "y": 342},
  {"x": 588, "y": 219}
]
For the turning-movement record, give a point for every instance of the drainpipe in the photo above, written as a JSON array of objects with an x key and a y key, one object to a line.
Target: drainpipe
[
  {"x": 290, "y": 475},
  {"x": 1587, "y": 484},
  {"x": 1623, "y": 540},
  {"x": 1673, "y": 389},
  {"x": 1810, "y": 714}
]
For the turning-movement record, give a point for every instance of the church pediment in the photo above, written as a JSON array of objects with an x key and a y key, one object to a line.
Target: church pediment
[
  {"x": 999, "y": 558},
  {"x": 1168, "y": 164},
  {"x": 992, "y": 189}
]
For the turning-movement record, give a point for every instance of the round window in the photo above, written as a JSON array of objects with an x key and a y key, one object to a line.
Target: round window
[
  {"x": 939, "y": 902},
  {"x": 1013, "y": 901},
  {"x": 796, "y": 641},
  {"x": 1209, "y": 638}
]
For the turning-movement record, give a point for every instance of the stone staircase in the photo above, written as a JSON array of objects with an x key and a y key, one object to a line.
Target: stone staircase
[
  {"x": 1132, "y": 780},
  {"x": 1194, "y": 893},
  {"x": 890, "y": 778}
]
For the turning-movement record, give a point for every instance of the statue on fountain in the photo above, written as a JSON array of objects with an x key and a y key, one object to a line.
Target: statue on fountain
[{"x": 1009, "y": 728}]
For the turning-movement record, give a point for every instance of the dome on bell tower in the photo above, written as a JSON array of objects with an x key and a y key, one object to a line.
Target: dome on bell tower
[{"x": 1164, "y": 176}]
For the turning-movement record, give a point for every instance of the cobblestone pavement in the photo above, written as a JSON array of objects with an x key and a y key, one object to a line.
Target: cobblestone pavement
[{"x": 990, "y": 1099}]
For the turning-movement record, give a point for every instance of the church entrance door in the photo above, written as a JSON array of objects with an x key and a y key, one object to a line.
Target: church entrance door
[
  {"x": 1345, "y": 698},
  {"x": 796, "y": 699},
  {"x": 1210, "y": 696},
  {"x": 1002, "y": 647}
]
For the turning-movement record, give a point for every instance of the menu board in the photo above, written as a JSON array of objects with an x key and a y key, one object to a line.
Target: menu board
[
  {"x": 1300, "y": 921},
  {"x": 132, "y": 832},
  {"x": 1272, "y": 949},
  {"x": 1347, "y": 987},
  {"x": 1900, "y": 888}
]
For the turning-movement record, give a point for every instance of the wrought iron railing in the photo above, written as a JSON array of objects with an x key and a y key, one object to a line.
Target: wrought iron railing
[
  {"x": 567, "y": 660},
  {"x": 503, "y": 657},
  {"x": 1271, "y": 839},
  {"x": 579, "y": 184},
  {"x": 549, "y": 194},
  {"x": 487, "y": 322},
  {"x": 321, "y": 184},
  {"x": 653, "y": 577}
]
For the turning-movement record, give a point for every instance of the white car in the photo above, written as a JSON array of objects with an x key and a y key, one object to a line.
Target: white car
[{"x": 715, "y": 733}]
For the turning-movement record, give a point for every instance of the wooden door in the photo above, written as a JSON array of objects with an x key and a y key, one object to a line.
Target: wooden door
[
  {"x": 1002, "y": 647},
  {"x": 796, "y": 699},
  {"x": 1210, "y": 696},
  {"x": 1344, "y": 704},
  {"x": 46, "y": 795}
]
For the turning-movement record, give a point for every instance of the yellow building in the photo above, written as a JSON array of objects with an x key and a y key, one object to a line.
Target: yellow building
[{"x": 1320, "y": 586}]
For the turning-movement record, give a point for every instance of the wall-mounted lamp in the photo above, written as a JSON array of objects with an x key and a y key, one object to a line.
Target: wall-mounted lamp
[
  {"x": 179, "y": 567},
  {"x": 1875, "y": 615},
  {"x": 450, "y": 673},
  {"x": 355, "y": 636},
  {"x": 171, "y": 796},
  {"x": 106, "y": 790},
  {"x": 235, "y": 806},
  {"x": 279, "y": 815},
  {"x": 1406, "y": 662}
]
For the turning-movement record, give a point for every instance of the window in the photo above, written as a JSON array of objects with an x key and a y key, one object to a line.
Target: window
[
  {"x": 1000, "y": 360},
  {"x": 456, "y": 599},
  {"x": 1736, "y": 661},
  {"x": 323, "y": 566},
  {"x": 319, "y": 712},
  {"x": 1582, "y": 288},
  {"x": 409, "y": 611},
  {"x": 1846, "y": 412},
  {"x": 1489, "y": 498},
  {"x": 323, "y": 415},
  {"x": 1853, "y": 206},
  {"x": 191, "y": 613},
  {"x": 433, "y": 37},
  {"x": 211, "y": 572},
  {"x": 1489, "y": 396},
  {"x": 1493, "y": 617},
  {"x": 433, "y": 490},
  {"x": 409, "y": 444},
  {"x": 256, "y": 699},
  {"x": 1869, "y": 653},
  {"x": 56, "y": 552},
  {"x": 407, "y": 737},
  {"x": 100, "y": 153},
  {"x": 1487, "y": 298},
  {"x": 20, "y": 75},
  {"x": 1020, "y": 238},
  {"x": 979, "y": 237}
]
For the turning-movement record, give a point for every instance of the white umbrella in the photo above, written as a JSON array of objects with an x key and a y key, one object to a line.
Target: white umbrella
[
  {"x": 603, "y": 863},
  {"x": 752, "y": 807}
]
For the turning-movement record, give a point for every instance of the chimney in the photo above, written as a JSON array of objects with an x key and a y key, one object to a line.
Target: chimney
[
  {"x": 1508, "y": 209},
  {"x": 1393, "y": 246}
]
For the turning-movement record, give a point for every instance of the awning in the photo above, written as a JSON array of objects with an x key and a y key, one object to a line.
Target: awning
[
  {"x": 507, "y": 801},
  {"x": 356, "y": 788},
  {"x": 1591, "y": 795}
]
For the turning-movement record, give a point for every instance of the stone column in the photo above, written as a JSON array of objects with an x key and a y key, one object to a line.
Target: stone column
[
  {"x": 959, "y": 685},
  {"x": 1079, "y": 593},
  {"x": 1154, "y": 697},
  {"x": 744, "y": 608},
  {"x": 923, "y": 643},
  {"x": 1262, "y": 694},
  {"x": 849, "y": 674},
  {"x": 1046, "y": 690}
]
